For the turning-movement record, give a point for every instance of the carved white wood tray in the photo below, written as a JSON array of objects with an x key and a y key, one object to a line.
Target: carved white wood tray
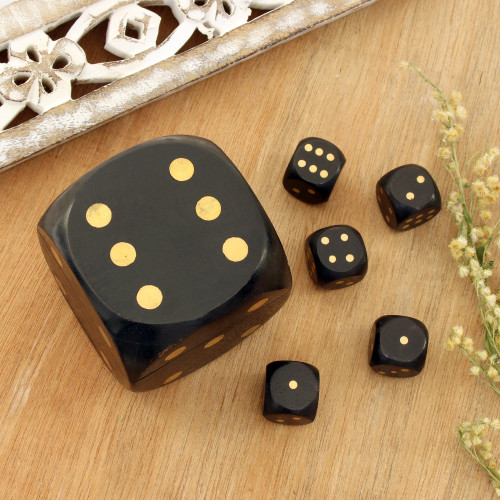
[{"x": 40, "y": 73}]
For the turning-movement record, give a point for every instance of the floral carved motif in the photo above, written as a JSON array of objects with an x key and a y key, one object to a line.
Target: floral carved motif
[{"x": 40, "y": 72}]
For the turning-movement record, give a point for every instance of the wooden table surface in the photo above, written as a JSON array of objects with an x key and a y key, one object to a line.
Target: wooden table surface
[{"x": 69, "y": 430}]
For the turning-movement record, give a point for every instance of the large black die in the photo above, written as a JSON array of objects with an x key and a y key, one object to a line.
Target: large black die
[
  {"x": 408, "y": 197},
  {"x": 398, "y": 346},
  {"x": 166, "y": 257},
  {"x": 292, "y": 392},
  {"x": 313, "y": 170},
  {"x": 336, "y": 257}
]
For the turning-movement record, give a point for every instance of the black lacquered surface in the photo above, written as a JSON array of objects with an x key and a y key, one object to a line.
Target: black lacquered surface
[
  {"x": 408, "y": 197},
  {"x": 313, "y": 170}
]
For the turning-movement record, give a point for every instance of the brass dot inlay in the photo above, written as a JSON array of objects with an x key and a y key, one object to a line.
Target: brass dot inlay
[
  {"x": 344, "y": 237},
  {"x": 420, "y": 179},
  {"x": 319, "y": 151},
  {"x": 296, "y": 418},
  {"x": 410, "y": 219},
  {"x": 98, "y": 215},
  {"x": 181, "y": 169},
  {"x": 311, "y": 191},
  {"x": 387, "y": 218},
  {"x": 258, "y": 305},
  {"x": 406, "y": 227},
  {"x": 405, "y": 370},
  {"x": 419, "y": 216},
  {"x": 349, "y": 257},
  {"x": 56, "y": 256},
  {"x": 208, "y": 208},
  {"x": 404, "y": 340},
  {"x": 103, "y": 333},
  {"x": 323, "y": 174},
  {"x": 175, "y": 353},
  {"x": 430, "y": 217},
  {"x": 390, "y": 210},
  {"x": 214, "y": 341},
  {"x": 295, "y": 190},
  {"x": 279, "y": 420},
  {"x": 382, "y": 373},
  {"x": 172, "y": 377},
  {"x": 332, "y": 259},
  {"x": 392, "y": 371},
  {"x": 313, "y": 169},
  {"x": 293, "y": 384},
  {"x": 301, "y": 163},
  {"x": 339, "y": 282},
  {"x": 410, "y": 196},
  {"x": 308, "y": 147},
  {"x": 122, "y": 254},
  {"x": 330, "y": 157},
  {"x": 350, "y": 283},
  {"x": 325, "y": 240},
  {"x": 235, "y": 249},
  {"x": 249, "y": 331},
  {"x": 149, "y": 297},
  {"x": 432, "y": 211}
]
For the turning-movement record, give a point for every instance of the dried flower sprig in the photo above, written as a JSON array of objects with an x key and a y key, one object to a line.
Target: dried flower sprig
[
  {"x": 470, "y": 205},
  {"x": 471, "y": 438}
]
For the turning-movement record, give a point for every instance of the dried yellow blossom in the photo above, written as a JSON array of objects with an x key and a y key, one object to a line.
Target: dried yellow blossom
[{"x": 444, "y": 153}]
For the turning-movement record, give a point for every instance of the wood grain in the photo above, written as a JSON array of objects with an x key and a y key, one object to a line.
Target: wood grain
[{"x": 67, "y": 428}]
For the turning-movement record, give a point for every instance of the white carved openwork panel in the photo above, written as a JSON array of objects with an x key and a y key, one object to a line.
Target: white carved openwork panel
[{"x": 40, "y": 73}]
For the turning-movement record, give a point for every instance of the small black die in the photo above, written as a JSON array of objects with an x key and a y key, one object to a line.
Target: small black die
[
  {"x": 336, "y": 257},
  {"x": 292, "y": 392},
  {"x": 407, "y": 197},
  {"x": 313, "y": 170},
  {"x": 398, "y": 346}
]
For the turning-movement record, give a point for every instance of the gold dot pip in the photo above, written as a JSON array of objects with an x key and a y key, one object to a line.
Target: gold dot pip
[
  {"x": 323, "y": 174},
  {"x": 149, "y": 297},
  {"x": 410, "y": 196},
  {"x": 235, "y": 249},
  {"x": 258, "y": 305},
  {"x": 311, "y": 191},
  {"x": 420, "y": 179},
  {"x": 181, "y": 169},
  {"x": 293, "y": 384},
  {"x": 214, "y": 341},
  {"x": 249, "y": 331},
  {"x": 122, "y": 254},
  {"x": 349, "y": 257},
  {"x": 325, "y": 240},
  {"x": 295, "y": 190},
  {"x": 308, "y": 147},
  {"x": 319, "y": 151},
  {"x": 208, "y": 208},
  {"x": 98, "y": 215},
  {"x": 175, "y": 353},
  {"x": 332, "y": 259},
  {"x": 313, "y": 169},
  {"x": 344, "y": 237},
  {"x": 172, "y": 377},
  {"x": 330, "y": 157},
  {"x": 404, "y": 340},
  {"x": 302, "y": 163}
]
